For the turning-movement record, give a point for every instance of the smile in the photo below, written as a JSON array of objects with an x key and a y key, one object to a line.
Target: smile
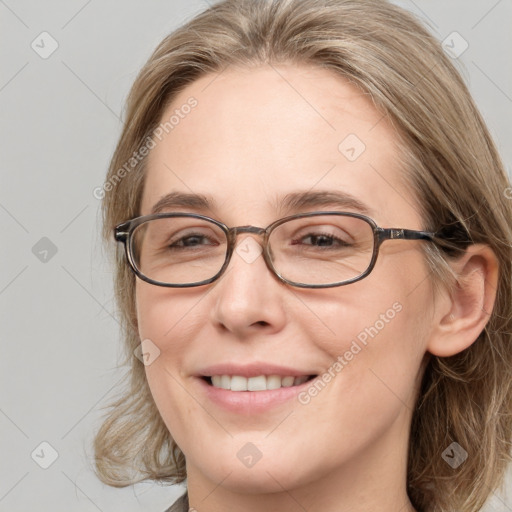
[{"x": 257, "y": 383}]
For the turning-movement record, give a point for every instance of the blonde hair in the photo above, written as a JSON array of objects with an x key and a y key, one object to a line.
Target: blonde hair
[{"x": 453, "y": 169}]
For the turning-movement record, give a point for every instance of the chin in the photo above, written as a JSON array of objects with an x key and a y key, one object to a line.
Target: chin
[
  {"x": 260, "y": 480},
  {"x": 264, "y": 476}
]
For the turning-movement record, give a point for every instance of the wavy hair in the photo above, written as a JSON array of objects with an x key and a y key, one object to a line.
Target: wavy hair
[{"x": 452, "y": 167}]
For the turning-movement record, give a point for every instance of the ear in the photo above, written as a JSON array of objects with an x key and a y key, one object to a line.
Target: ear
[{"x": 462, "y": 314}]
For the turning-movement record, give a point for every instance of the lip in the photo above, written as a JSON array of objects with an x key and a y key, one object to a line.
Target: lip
[
  {"x": 250, "y": 402},
  {"x": 252, "y": 370}
]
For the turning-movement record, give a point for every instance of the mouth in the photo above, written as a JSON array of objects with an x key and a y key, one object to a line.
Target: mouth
[{"x": 256, "y": 383}]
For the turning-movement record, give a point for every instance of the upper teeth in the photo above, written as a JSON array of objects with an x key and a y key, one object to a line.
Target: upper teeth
[{"x": 259, "y": 383}]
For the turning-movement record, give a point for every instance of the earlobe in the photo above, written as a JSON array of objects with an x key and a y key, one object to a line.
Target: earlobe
[{"x": 464, "y": 311}]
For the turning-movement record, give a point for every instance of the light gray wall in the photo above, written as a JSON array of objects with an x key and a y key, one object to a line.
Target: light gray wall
[{"x": 60, "y": 118}]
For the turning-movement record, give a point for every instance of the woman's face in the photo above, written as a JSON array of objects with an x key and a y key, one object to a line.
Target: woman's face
[{"x": 254, "y": 137}]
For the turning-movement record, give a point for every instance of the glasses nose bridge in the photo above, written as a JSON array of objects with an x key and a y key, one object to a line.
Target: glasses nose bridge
[
  {"x": 239, "y": 230},
  {"x": 254, "y": 230}
]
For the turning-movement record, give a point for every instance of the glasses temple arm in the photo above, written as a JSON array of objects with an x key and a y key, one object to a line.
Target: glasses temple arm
[
  {"x": 405, "y": 234},
  {"x": 121, "y": 232}
]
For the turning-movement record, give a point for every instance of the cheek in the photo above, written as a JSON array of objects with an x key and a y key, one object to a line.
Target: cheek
[
  {"x": 371, "y": 382},
  {"x": 382, "y": 338},
  {"x": 166, "y": 324},
  {"x": 168, "y": 317},
  {"x": 378, "y": 334},
  {"x": 368, "y": 329}
]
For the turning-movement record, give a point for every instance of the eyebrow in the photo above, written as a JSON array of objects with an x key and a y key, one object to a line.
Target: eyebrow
[
  {"x": 326, "y": 199},
  {"x": 183, "y": 200},
  {"x": 290, "y": 203}
]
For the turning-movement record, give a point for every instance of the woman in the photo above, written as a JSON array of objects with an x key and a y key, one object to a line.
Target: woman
[{"x": 347, "y": 346}]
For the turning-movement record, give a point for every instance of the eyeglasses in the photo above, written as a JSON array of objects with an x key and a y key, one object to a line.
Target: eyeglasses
[{"x": 307, "y": 250}]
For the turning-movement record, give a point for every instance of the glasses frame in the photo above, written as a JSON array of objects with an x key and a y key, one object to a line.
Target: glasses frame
[{"x": 123, "y": 233}]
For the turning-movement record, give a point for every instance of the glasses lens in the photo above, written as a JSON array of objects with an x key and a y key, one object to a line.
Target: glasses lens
[
  {"x": 178, "y": 250},
  {"x": 323, "y": 249}
]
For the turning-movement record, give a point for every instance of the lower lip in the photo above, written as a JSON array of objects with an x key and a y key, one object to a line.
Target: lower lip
[{"x": 251, "y": 402}]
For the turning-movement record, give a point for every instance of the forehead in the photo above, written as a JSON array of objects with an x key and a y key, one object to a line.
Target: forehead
[{"x": 256, "y": 134}]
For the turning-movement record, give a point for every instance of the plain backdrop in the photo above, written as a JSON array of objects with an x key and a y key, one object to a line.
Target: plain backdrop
[{"x": 60, "y": 119}]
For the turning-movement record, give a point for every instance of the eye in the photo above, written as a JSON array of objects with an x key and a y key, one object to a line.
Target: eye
[
  {"x": 192, "y": 240},
  {"x": 320, "y": 240},
  {"x": 321, "y": 236}
]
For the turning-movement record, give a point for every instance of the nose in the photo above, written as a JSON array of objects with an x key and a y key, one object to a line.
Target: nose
[{"x": 248, "y": 298}]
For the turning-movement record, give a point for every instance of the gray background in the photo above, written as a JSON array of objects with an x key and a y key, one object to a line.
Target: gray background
[{"x": 60, "y": 119}]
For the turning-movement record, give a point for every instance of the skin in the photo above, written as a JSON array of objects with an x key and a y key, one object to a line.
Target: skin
[{"x": 256, "y": 135}]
